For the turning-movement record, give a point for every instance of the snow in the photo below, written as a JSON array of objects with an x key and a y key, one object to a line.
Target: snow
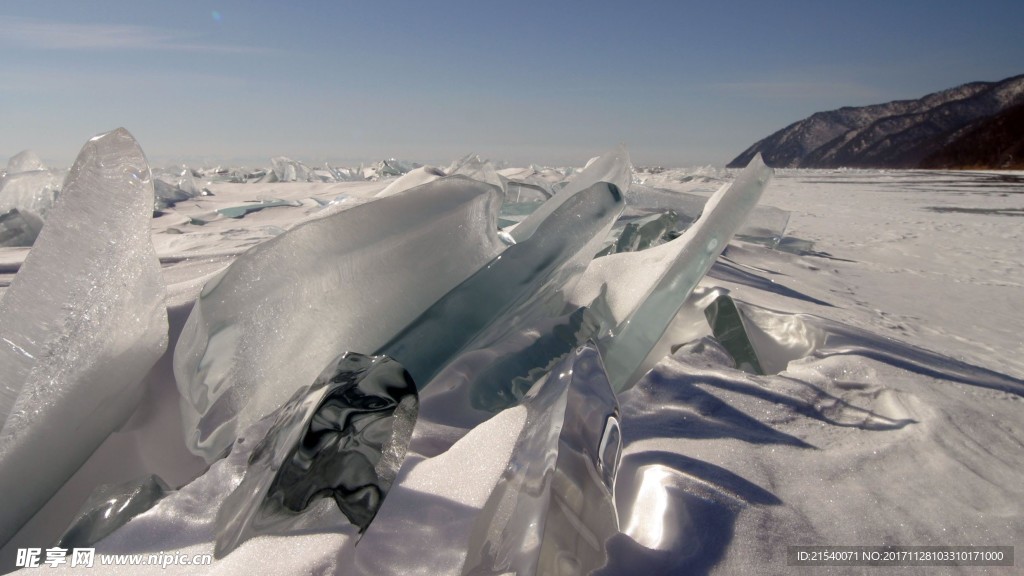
[{"x": 890, "y": 411}]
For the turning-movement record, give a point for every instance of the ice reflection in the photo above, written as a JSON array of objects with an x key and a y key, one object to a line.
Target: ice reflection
[
  {"x": 651, "y": 517},
  {"x": 344, "y": 437},
  {"x": 553, "y": 510}
]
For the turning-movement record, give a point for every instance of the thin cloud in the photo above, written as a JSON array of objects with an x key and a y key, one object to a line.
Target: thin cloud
[{"x": 38, "y": 34}]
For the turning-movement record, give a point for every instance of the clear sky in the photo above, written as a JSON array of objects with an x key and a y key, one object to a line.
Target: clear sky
[{"x": 680, "y": 83}]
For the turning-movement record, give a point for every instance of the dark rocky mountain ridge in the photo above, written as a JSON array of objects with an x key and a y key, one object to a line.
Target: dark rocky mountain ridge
[
  {"x": 899, "y": 134},
  {"x": 993, "y": 142}
]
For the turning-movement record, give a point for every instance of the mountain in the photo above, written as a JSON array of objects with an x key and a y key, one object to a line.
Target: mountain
[
  {"x": 994, "y": 142},
  {"x": 899, "y": 134}
]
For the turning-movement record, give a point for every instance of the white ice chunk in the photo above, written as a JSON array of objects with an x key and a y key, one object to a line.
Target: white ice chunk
[
  {"x": 34, "y": 191},
  {"x": 84, "y": 320},
  {"x": 25, "y": 161},
  {"x": 346, "y": 282}
]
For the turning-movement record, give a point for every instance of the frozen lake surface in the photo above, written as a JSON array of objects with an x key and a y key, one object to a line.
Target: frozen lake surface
[{"x": 885, "y": 407}]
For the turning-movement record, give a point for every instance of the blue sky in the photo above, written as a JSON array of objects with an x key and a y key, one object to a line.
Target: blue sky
[{"x": 680, "y": 83}]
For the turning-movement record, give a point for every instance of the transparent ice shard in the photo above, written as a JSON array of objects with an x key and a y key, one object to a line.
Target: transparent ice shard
[
  {"x": 472, "y": 166},
  {"x": 727, "y": 324},
  {"x": 387, "y": 168},
  {"x": 341, "y": 174},
  {"x": 527, "y": 192},
  {"x": 84, "y": 320},
  {"x": 765, "y": 225},
  {"x": 481, "y": 382},
  {"x": 529, "y": 281},
  {"x": 343, "y": 437},
  {"x": 111, "y": 506},
  {"x": 33, "y": 192},
  {"x": 553, "y": 509},
  {"x": 288, "y": 170},
  {"x": 795, "y": 245},
  {"x": 256, "y": 334},
  {"x": 412, "y": 179},
  {"x": 643, "y": 233},
  {"x": 19, "y": 228},
  {"x": 256, "y": 175},
  {"x": 322, "y": 175},
  {"x": 512, "y": 213},
  {"x": 640, "y": 311},
  {"x": 174, "y": 187},
  {"x": 687, "y": 206},
  {"x": 167, "y": 195},
  {"x": 527, "y": 185},
  {"x": 346, "y": 174},
  {"x": 613, "y": 168},
  {"x": 25, "y": 161}
]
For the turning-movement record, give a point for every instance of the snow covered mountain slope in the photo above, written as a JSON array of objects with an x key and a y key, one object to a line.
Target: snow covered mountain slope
[{"x": 896, "y": 134}]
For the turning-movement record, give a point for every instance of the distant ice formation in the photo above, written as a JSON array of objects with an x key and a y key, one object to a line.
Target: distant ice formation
[
  {"x": 19, "y": 228},
  {"x": 28, "y": 190}
]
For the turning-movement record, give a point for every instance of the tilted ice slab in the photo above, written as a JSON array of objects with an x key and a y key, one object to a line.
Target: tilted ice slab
[
  {"x": 175, "y": 188},
  {"x": 613, "y": 167},
  {"x": 528, "y": 282},
  {"x": 283, "y": 310},
  {"x": 552, "y": 511},
  {"x": 83, "y": 322},
  {"x": 641, "y": 292},
  {"x": 484, "y": 381}
]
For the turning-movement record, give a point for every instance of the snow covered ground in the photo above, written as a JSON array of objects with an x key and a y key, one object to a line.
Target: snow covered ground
[{"x": 890, "y": 411}]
